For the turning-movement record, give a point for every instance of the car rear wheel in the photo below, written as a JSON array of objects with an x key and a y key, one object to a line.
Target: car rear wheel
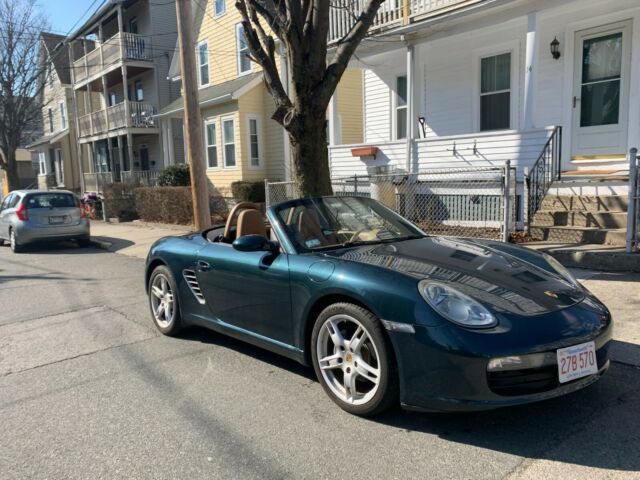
[
  {"x": 353, "y": 359},
  {"x": 163, "y": 301},
  {"x": 13, "y": 242}
]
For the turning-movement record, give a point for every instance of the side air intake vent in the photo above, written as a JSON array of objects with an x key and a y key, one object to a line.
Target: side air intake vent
[{"x": 192, "y": 281}]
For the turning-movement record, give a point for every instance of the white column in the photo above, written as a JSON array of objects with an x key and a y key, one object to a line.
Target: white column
[
  {"x": 531, "y": 61},
  {"x": 334, "y": 121},
  {"x": 410, "y": 106}
]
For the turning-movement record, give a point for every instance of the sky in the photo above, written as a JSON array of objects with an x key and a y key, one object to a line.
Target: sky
[{"x": 63, "y": 14}]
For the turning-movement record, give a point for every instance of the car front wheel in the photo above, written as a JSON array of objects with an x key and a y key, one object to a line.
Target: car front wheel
[
  {"x": 353, "y": 359},
  {"x": 163, "y": 301}
]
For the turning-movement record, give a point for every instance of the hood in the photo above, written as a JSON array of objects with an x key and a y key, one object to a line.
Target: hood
[{"x": 511, "y": 280}]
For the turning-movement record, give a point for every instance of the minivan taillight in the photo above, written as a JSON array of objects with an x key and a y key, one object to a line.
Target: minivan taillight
[{"x": 21, "y": 212}]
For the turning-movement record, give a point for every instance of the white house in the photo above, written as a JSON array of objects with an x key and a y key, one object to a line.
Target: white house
[{"x": 475, "y": 82}]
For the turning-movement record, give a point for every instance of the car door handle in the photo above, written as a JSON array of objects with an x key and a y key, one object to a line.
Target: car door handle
[{"x": 203, "y": 266}]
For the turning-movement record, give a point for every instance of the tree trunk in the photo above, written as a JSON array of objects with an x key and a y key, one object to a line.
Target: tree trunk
[
  {"x": 11, "y": 169},
  {"x": 310, "y": 155}
]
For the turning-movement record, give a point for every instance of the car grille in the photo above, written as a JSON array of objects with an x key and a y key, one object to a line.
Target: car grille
[
  {"x": 533, "y": 380},
  {"x": 192, "y": 281}
]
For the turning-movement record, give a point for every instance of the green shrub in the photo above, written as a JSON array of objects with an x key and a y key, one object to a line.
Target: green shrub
[
  {"x": 119, "y": 201},
  {"x": 164, "y": 204},
  {"x": 244, "y": 191},
  {"x": 175, "y": 176}
]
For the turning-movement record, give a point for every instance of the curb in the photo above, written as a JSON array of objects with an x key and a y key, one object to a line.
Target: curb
[
  {"x": 101, "y": 244},
  {"x": 602, "y": 261}
]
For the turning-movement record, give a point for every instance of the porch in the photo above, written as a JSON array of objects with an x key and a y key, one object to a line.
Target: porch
[
  {"x": 115, "y": 118},
  {"x": 96, "y": 182}
]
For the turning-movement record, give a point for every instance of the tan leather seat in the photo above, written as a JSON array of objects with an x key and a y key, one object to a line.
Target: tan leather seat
[
  {"x": 309, "y": 228},
  {"x": 251, "y": 222}
]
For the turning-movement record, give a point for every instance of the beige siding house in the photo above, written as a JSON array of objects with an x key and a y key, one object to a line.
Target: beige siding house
[
  {"x": 56, "y": 149},
  {"x": 242, "y": 142}
]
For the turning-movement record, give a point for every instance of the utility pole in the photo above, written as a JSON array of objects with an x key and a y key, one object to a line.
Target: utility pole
[{"x": 193, "y": 121}]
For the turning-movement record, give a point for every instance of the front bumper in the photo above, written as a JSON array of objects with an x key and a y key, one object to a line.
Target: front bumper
[{"x": 444, "y": 368}]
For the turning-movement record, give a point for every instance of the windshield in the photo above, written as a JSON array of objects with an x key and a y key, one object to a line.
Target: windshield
[{"x": 330, "y": 222}]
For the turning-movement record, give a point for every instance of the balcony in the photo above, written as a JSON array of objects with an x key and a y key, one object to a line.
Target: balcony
[
  {"x": 122, "y": 46},
  {"x": 392, "y": 13},
  {"x": 115, "y": 118}
]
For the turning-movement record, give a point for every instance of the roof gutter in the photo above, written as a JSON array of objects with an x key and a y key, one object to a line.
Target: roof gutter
[{"x": 220, "y": 99}]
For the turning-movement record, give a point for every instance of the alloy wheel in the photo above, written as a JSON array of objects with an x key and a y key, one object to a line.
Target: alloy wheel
[
  {"x": 348, "y": 359},
  {"x": 162, "y": 301}
]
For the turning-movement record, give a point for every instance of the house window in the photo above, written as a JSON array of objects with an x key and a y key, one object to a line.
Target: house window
[
  {"x": 63, "y": 116},
  {"x": 254, "y": 143},
  {"x": 112, "y": 99},
  {"x": 244, "y": 62},
  {"x": 50, "y": 115},
  {"x": 401, "y": 107},
  {"x": 219, "y": 7},
  {"x": 495, "y": 92},
  {"x": 203, "y": 63},
  {"x": 50, "y": 76},
  {"x": 139, "y": 91},
  {"x": 212, "y": 144},
  {"x": 228, "y": 139},
  {"x": 133, "y": 25}
]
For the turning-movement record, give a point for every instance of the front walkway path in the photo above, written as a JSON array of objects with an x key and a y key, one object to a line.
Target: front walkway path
[{"x": 132, "y": 238}]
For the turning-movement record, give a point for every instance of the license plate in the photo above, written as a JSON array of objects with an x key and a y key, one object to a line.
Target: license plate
[
  {"x": 56, "y": 220},
  {"x": 577, "y": 361}
]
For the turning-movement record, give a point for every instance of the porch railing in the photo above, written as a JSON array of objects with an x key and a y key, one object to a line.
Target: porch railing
[
  {"x": 147, "y": 178},
  {"x": 390, "y": 14},
  {"x": 95, "y": 123},
  {"x": 121, "y": 46},
  {"x": 95, "y": 182},
  {"x": 545, "y": 170}
]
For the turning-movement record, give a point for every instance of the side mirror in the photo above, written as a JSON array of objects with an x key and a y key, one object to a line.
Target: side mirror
[{"x": 255, "y": 243}]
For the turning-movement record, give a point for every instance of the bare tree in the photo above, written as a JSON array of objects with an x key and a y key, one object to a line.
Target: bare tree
[
  {"x": 302, "y": 26},
  {"x": 20, "y": 79}
]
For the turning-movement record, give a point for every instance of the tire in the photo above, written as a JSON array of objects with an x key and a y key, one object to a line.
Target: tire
[
  {"x": 374, "y": 388},
  {"x": 166, "y": 319},
  {"x": 13, "y": 242}
]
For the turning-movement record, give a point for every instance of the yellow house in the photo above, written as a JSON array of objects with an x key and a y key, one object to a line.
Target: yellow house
[{"x": 242, "y": 142}]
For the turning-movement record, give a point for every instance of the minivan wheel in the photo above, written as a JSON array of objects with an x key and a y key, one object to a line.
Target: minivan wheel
[
  {"x": 353, "y": 359},
  {"x": 13, "y": 242}
]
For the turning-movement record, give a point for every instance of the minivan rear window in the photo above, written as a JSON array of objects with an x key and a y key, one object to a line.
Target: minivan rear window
[{"x": 51, "y": 200}]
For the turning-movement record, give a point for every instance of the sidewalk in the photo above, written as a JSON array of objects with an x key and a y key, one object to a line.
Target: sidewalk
[{"x": 132, "y": 238}]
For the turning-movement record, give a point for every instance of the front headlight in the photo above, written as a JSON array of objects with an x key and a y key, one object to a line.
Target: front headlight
[
  {"x": 455, "y": 306},
  {"x": 561, "y": 269}
]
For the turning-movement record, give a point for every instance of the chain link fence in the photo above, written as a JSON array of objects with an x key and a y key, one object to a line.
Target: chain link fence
[{"x": 461, "y": 202}]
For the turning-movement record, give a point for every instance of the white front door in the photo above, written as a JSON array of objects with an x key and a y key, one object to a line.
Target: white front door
[{"x": 601, "y": 91}]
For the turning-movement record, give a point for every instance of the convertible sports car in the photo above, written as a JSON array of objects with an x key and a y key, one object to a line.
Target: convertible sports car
[{"x": 384, "y": 312}]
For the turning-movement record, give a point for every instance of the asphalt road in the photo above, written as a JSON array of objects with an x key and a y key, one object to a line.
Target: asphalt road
[{"x": 89, "y": 389}]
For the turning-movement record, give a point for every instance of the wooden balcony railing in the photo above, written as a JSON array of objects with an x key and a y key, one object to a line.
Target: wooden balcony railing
[
  {"x": 392, "y": 13},
  {"x": 114, "y": 118},
  {"x": 122, "y": 46}
]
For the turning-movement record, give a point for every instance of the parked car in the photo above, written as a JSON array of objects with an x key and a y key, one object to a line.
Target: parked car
[
  {"x": 384, "y": 312},
  {"x": 28, "y": 216}
]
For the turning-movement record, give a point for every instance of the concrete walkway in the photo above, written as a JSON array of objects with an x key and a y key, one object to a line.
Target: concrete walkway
[{"x": 132, "y": 238}]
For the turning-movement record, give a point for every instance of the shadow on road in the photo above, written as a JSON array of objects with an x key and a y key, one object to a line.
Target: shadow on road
[
  {"x": 598, "y": 426},
  {"x": 56, "y": 248}
]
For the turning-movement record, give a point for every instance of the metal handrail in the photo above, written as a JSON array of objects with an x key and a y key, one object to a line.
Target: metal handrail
[
  {"x": 545, "y": 170},
  {"x": 633, "y": 201}
]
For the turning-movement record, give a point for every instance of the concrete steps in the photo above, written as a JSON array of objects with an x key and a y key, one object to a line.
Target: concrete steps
[{"x": 580, "y": 219}]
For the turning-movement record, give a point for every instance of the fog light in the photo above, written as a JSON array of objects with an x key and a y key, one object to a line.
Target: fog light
[{"x": 521, "y": 362}]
